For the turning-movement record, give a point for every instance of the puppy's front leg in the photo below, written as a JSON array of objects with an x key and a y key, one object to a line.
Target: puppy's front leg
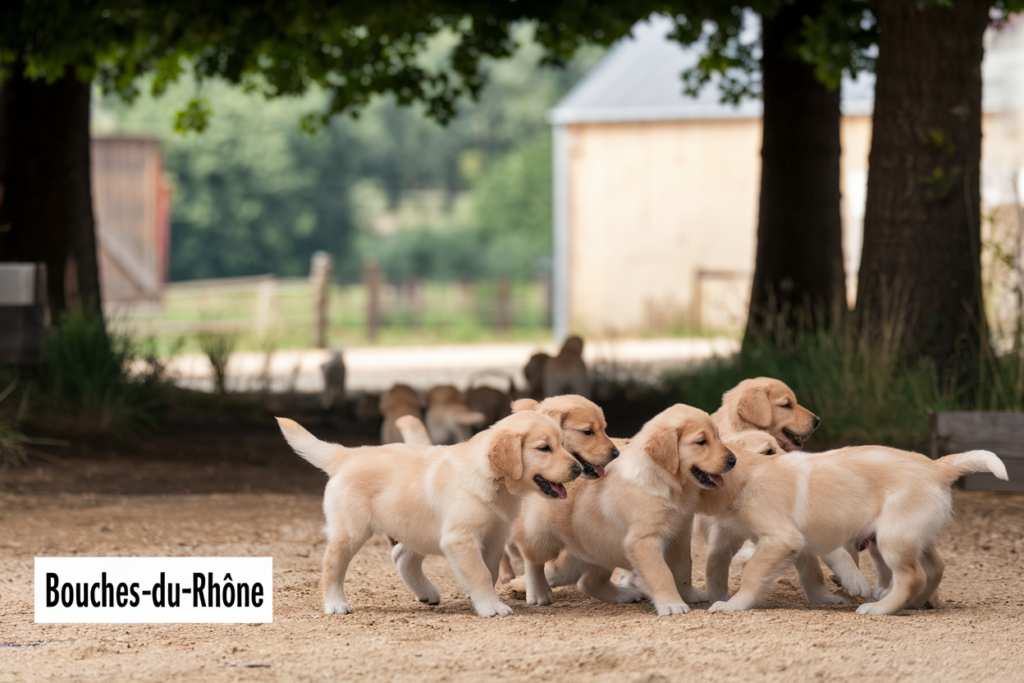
[
  {"x": 473, "y": 574},
  {"x": 771, "y": 557},
  {"x": 410, "y": 568},
  {"x": 679, "y": 560},
  {"x": 648, "y": 560},
  {"x": 722, "y": 547}
]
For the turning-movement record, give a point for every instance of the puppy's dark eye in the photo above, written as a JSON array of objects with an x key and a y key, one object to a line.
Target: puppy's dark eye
[
  {"x": 786, "y": 405},
  {"x": 770, "y": 451},
  {"x": 588, "y": 432},
  {"x": 702, "y": 442},
  {"x": 544, "y": 448}
]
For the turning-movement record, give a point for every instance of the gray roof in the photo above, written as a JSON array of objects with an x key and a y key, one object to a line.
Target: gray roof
[{"x": 639, "y": 80}]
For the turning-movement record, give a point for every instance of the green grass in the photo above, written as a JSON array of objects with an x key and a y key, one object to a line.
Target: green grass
[
  {"x": 858, "y": 385},
  {"x": 90, "y": 381}
]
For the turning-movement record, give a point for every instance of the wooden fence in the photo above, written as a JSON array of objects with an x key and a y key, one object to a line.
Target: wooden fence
[{"x": 283, "y": 311}]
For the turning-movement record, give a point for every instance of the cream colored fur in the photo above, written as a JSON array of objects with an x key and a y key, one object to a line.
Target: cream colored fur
[
  {"x": 457, "y": 501},
  {"x": 638, "y": 517},
  {"x": 766, "y": 405},
  {"x": 799, "y": 505}
]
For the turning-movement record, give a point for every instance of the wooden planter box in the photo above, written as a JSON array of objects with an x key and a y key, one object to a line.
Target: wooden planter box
[
  {"x": 1001, "y": 433},
  {"x": 24, "y": 317}
]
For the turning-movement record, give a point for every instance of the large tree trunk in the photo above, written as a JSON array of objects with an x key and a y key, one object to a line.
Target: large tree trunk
[
  {"x": 799, "y": 268},
  {"x": 46, "y": 214},
  {"x": 922, "y": 234}
]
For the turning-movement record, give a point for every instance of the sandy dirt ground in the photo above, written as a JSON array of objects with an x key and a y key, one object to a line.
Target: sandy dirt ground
[{"x": 196, "y": 503}]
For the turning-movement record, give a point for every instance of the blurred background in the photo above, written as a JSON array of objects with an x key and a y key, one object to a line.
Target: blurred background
[{"x": 434, "y": 199}]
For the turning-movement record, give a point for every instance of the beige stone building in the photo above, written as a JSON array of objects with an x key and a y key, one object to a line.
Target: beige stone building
[{"x": 656, "y": 193}]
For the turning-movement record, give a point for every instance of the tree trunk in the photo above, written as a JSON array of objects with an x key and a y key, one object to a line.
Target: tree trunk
[
  {"x": 799, "y": 267},
  {"x": 922, "y": 234},
  {"x": 46, "y": 214}
]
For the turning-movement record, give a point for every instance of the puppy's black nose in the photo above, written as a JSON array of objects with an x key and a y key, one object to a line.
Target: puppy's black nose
[
  {"x": 614, "y": 453},
  {"x": 576, "y": 470},
  {"x": 730, "y": 462},
  {"x": 816, "y": 421}
]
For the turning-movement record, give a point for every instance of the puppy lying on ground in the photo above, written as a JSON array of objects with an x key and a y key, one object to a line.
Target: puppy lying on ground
[
  {"x": 399, "y": 400},
  {"x": 766, "y": 405},
  {"x": 800, "y": 504},
  {"x": 449, "y": 420},
  {"x": 457, "y": 501},
  {"x": 638, "y": 517}
]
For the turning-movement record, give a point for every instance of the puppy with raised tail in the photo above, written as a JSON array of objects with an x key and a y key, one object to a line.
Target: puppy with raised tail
[
  {"x": 638, "y": 516},
  {"x": 458, "y": 501},
  {"x": 798, "y": 505}
]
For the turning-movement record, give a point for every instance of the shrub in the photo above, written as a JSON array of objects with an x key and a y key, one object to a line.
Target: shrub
[{"x": 93, "y": 379}]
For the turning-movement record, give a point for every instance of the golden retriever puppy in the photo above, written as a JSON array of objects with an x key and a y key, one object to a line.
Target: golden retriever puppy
[
  {"x": 399, "y": 400},
  {"x": 723, "y": 544},
  {"x": 449, "y": 420},
  {"x": 798, "y": 505},
  {"x": 566, "y": 373},
  {"x": 457, "y": 501},
  {"x": 583, "y": 428},
  {"x": 333, "y": 371},
  {"x": 638, "y": 517},
  {"x": 766, "y": 405},
  {"x": 534, "y": 373},
  {"x": 490, "y": 402}
]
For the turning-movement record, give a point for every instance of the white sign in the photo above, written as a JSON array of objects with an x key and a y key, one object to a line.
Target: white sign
[{"x": 151, "y": 590}]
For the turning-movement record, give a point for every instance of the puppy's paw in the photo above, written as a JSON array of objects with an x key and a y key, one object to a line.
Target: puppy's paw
[
  {"x": 731, "y": 605},
  {"x": 880, "y": 592},
  {"x": 857, "y": 587},
  {"x": 540, "y": 597},
  {"x": 517, "y": 585},
  {"x": 826, "y": 598},
  {"x": 692, "y": 594},
  {"x": 491, "y": 609},
  {"x": 667, "y": 609},
  {"x": 430, "y": 597},
  {"x": 339, "y": 607},
  {"x": 872, "y": 608}
]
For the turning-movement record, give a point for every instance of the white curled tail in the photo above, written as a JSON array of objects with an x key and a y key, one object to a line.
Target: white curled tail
[
  {"x": 413, "y": 431},
  {"x": 324, "y": 455},
  {"x": 959, "y": 464}
]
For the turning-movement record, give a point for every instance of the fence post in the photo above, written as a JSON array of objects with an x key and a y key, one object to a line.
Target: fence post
[
  {"x": 502, "y": 313},
  {"x": 320, "y": 283},
  {"x": 264, "y": 306},
  {"x": 372, "y": 280}
]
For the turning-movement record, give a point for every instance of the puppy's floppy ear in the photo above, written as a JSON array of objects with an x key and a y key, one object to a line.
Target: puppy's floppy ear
[
  {"x": 663, "y": 448},
  {"x": 754, "y": 408},
  {"x": 506, "y": 454},
  {"x": 524, "y": 404}
]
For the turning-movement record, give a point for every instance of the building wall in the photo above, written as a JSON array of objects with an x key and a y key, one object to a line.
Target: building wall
[
  {"x": 130, "y": 201},
  {"x": 652, "y": 205},
  {"x": 649, "y": 204},
  {"x": 663, "y": 221}
]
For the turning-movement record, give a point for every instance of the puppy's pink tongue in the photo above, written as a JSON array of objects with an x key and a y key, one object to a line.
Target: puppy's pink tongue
[
  {"x": 560, "y": 490},
  {"x": 717, "y": 478},
  {"x": 599, "y": 470}
]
